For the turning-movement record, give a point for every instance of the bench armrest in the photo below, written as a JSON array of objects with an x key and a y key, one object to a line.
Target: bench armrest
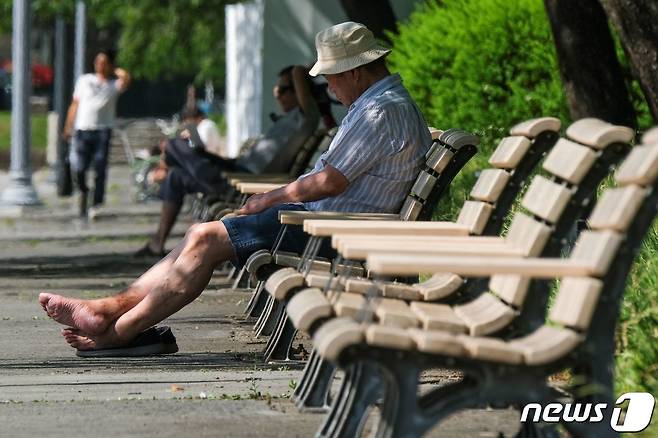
[
  {"x": 296, "y": 217},
  {"x": 250, "y": 188},
  {"x": 361, "y": 250},
  {"x": 479, "y": 266},
  {"x": 379, "y": 227}
]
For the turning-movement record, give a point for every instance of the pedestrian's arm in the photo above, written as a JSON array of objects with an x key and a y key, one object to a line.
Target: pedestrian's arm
[
  {"x": 327, "y": 183},
  {"x": 70, "y": 118},
  {"x": 123, "y": 79},
  {"x": 302, "y": 83}
]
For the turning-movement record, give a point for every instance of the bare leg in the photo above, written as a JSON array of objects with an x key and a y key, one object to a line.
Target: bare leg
[
  {"x": 168, "y": 216},
  {"x": 206, "y": 245},
  {"x": 94, "y": 316}
]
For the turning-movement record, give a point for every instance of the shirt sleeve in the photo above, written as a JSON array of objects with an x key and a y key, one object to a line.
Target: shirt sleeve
[
  {"x": 362, "y": 146},
  {"x": 77, "y": 90}
]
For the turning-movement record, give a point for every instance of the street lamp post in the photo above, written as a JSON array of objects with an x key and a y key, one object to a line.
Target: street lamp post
[{"x": 20, "y": 190}]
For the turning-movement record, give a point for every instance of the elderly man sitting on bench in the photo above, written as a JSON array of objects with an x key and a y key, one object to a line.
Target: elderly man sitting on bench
[{"x": 369, "y": 167}]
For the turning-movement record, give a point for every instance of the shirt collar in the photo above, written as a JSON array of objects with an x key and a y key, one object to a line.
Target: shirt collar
[{"x": 377, "y": 88}]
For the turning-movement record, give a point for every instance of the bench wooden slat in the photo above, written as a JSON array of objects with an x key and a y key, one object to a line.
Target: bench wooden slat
[
  {"x": 436, "y": 342},
  {"x": 492, "y": 349},
  {"x": 306, "y": 307},
  {"x": 250, "y": 188},
  {"x": 279, "y": 285},
  {"x": 410, "y": 209},
  {"x": 528, "y": 235},
  {"x": 509, "y": 152},
  {"x": 640, "y": 167},
  {"x": 423, "y": 185},
  {"x": 477, "y": 266},
  {"x": 546, "y": 199},
  {"x": 485, "y": 314},
  {"x": 511, "y": 288},
  {"x": 569, "y": 160},
  {"x": 651, "y": 136},
  {"x": 348, "y": 304},
  {"x": 489, "y": 185},
  {"x": 599, "y": 134},
  {"x": 546, "y": 344},
  {"x": 336, "y": 335},
  {"x": 359, "y": 250},
  {"x": 575, "y": 302},
  {"x": 395, "y": 313},
  {"x": 474, "y": 215},
  {"x": 389, "y": 337},
  {"x": 533, "y": 127},
  {"x": 416, "y": 228},
  {"x": 617, "y": 208},
  {"x": 298, "y": 217},
  {"x": 439, "y": 158},
  {"x": 435, "y": 316},
  {"x": 596, "y": 249}
]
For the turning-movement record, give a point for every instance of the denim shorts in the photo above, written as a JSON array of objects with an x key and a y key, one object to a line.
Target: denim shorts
[{"x": 251, "y": 233}]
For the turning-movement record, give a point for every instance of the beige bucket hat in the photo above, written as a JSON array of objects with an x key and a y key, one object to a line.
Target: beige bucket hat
[{"x": 345, "y": 46}]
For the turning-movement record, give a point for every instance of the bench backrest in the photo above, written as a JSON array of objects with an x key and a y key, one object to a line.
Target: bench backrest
[{"x": 512, "y": 162}]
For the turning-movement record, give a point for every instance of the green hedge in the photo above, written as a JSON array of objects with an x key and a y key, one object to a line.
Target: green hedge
[
  {"x": 484, "y": 65},
  {"x": 481, "y": 66}
]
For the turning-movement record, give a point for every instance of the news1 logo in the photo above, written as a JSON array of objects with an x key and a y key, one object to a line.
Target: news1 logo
[{"x": 636, "y": 419}]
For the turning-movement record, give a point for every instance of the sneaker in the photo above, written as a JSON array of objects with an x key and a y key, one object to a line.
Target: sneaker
[{"x": 94, "y": 212}]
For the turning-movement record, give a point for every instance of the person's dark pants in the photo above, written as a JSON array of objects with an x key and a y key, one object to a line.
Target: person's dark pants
[
  {"x": 91, "y": 148},
  {"x": 254, "y": 232},
  {"x": 177, "y": 184},
  {"x": 191, "y": 171}
]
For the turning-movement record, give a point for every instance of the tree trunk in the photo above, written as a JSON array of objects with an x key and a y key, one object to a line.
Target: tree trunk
[
  {"x": 591, "y": 73},
  {"x": 376, "y": 14},
  {"x": 636, "y": 22}
]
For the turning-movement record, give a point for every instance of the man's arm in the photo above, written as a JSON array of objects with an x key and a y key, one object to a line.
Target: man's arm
[
  {"x": 70, "y": 118},
  {"x": 123, "y": 79},
  {"x": 327, "y": 183},
  {"x": 302, "y": 83}
]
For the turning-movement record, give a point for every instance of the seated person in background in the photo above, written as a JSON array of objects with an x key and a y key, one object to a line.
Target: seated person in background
[
  {"x": 370, "y": 166},
  {"x": 192, "y": 169}
]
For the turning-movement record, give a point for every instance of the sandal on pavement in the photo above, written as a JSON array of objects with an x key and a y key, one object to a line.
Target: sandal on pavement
[{"x": 156, "y": 340}]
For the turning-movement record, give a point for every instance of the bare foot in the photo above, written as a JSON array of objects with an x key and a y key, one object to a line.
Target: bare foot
[
  {"x": 74, "y": 313},
  {"x": 83, "y": 341}
]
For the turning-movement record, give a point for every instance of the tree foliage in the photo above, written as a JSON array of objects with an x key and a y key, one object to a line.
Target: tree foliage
[{"x": 158, "y": 37}]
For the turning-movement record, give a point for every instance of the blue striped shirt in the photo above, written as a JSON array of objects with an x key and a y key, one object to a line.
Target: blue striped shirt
[{"x": 380, "y": 148}]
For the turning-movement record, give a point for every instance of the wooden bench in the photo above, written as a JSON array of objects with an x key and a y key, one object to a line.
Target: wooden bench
[
  {"x": 533, "y": 234},
  {"x": 579, "y": 333}
]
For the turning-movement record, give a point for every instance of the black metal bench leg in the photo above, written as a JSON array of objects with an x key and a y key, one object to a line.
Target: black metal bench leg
[
  {"x": 257, "y": 302},
  {"x": 280, "y": 342},
  {"x": 360, "y": 389},
  {"x": 309, "y": 369},
  {"x": 268, "y": 319},
  {"x": 315, "y": 395}
]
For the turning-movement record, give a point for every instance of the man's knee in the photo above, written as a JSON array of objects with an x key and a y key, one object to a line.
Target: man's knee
[{"x": 204, "y": 234}]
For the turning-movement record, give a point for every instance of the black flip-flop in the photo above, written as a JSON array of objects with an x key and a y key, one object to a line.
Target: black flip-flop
[{"x": 156, "y": 340}]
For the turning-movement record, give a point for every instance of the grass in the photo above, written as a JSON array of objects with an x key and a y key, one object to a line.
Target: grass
[{"x": 39, "y": 131}]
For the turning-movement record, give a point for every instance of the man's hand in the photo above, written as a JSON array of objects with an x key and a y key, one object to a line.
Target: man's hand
[{"x": 256, "y": 204}]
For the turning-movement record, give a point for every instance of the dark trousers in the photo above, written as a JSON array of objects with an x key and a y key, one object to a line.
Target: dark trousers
[
  {"x": 192, "y": 170},
  {"x": 91, "y": 148}
]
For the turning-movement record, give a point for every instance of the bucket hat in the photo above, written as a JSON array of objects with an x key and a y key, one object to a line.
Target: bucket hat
[{"x": 345, "y": 46}]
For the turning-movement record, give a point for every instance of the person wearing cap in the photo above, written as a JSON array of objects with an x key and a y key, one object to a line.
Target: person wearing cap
[{"x": 369, "y": 167}]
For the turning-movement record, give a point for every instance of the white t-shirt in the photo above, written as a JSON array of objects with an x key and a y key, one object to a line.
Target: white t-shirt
[
  {"x": 209, "y": 135},
  {"x": 97, "y": 102}
]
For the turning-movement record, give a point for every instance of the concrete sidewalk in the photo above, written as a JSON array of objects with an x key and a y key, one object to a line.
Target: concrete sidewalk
[{"x": 215, "y": 386}]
